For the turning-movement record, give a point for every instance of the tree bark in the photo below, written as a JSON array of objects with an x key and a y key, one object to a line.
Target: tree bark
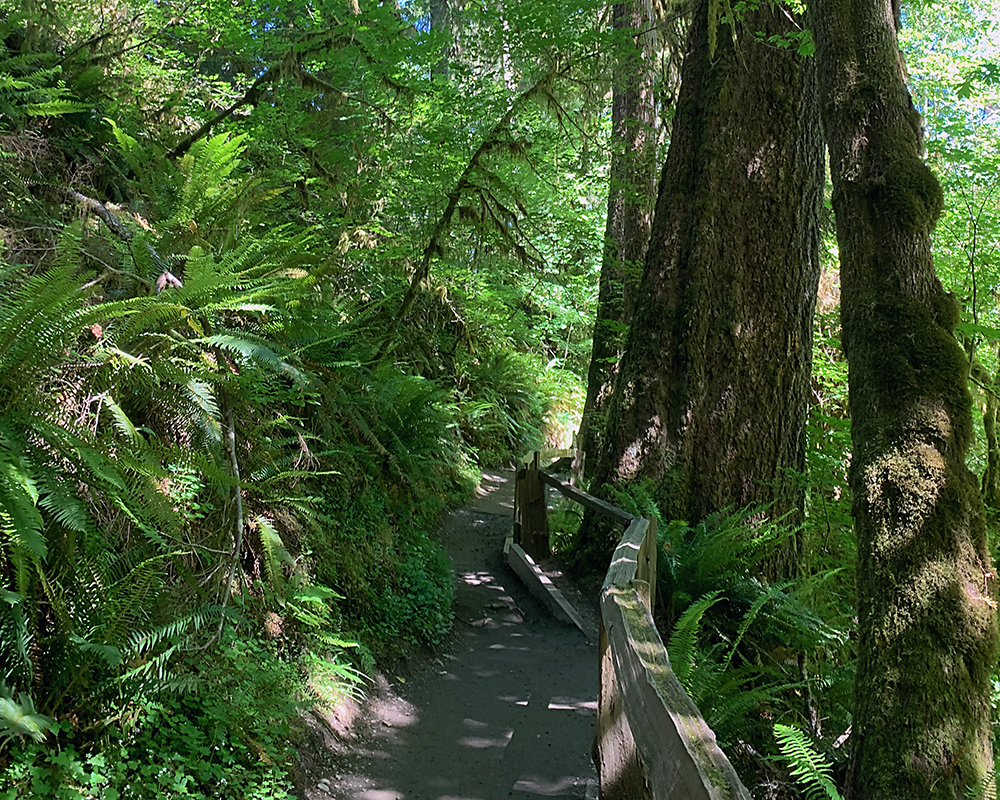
[
  {"x": 445, "y": 16},
  {"x": 631, "y": 196},
  {"x": 991, "y": 477},
  {"x": 926, "y": 617},
  {"x": 710, "y": 404}
]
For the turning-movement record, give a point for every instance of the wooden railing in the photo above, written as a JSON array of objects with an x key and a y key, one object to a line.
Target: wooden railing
[{"x": 652, "y": 741}]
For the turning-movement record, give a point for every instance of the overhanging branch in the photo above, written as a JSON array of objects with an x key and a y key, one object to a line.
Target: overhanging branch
[{"x": 433, "y": 247}]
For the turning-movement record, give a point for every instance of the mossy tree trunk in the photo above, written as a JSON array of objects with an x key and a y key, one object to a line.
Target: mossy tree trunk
[
  {"x": 631, "y": 196},
  {"x": 991, "y": 477},
  {"x": 711, "y": 400},
  {"x": 927, "y": 621}
]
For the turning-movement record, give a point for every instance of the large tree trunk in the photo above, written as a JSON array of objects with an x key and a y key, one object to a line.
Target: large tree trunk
[
  {"x": 631, "y": 195},
  {"x": 991, "y": 477},
  {"x": 927, "y": 623},
  {"x": 710, "y": 404}
]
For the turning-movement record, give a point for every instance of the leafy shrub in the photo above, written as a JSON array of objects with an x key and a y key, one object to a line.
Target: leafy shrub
[
  {"x": 231, "y": 739},
  {"x": 506, "y": 397}
]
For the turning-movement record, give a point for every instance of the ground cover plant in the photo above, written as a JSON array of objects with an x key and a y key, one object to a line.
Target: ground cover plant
[{"x": 225, "y": 445}]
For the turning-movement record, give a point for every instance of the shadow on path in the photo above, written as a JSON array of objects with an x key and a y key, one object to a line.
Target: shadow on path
[{"x": 507, "y": 711}]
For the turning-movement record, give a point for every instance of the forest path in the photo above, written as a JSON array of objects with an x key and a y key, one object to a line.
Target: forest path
[{"x": 507, "y": 709}]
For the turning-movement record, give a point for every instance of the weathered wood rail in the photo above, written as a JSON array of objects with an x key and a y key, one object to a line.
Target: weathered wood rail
[{"x": 652, "y": 741}]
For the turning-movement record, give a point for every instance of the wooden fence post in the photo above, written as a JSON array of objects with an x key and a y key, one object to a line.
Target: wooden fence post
[
  {"x": 519, "y": 473},
  {"x": 534, "y": 512},
  {"x": 577, "y": 465},
  {"x": 646, "y": 570}
]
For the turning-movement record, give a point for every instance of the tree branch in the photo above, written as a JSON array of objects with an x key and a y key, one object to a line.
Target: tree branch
[
  {"x": 250, "y": 97},
  {"x": 433, "y": 246},
  {"x": 118, "y": 229}
]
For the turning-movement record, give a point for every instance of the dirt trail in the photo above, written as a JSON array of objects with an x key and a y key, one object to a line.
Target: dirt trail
[{"x": 507, "y": 710}]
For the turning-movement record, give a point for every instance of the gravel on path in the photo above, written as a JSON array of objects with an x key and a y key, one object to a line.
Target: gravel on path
[{"x": 507, "y": 709}]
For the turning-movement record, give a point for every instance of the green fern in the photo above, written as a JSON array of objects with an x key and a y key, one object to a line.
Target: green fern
[
  {"x": 31, "y": 84},
  {"x": 985, "y": 788},
  {"x": 15, "y": 639},
  {"x": 153, "y": 651},
  {"x": 682, "y": 648},
  {"x": 812, "y": 772},
  {"x": 19, "y": 718},
  {"x": 276, "y": 557},
  {"x": 728, "y": 625}
]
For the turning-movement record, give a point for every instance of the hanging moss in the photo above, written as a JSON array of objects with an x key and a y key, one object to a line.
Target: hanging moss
[{"x": 713, "y": 26}]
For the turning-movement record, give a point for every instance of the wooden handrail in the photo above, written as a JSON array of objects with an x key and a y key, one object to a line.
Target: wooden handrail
[
  {"x": 584, "y": 499},
  {"x": 652, "y": 742}
]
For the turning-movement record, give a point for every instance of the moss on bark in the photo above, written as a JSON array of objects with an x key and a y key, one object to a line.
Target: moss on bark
[
  {"x": 927, "y": 629},
  {"x": 711, "y": 399}
]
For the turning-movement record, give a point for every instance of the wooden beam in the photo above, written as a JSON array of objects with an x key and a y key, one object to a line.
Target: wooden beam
[
  {"x": 584, "y": 499},
  {"x": 542, "y": 587},
  {"x": 676, "y": 748},
  {"x": 625, "y": 560}
]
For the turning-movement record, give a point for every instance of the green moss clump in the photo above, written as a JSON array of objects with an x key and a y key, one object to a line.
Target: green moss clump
[
  {"x": 911, "y": 195},
  {"x": 919, "y": 356},
  {"x": 947, "y": 311}
]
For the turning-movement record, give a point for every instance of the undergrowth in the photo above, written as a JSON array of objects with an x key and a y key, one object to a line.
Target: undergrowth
[{"x": 215, "y": 502}]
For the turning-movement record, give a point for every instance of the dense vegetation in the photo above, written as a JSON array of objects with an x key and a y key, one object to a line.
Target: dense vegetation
[
  {"x": 224, "y": 439},
  {"x": 276, "y": 283}
]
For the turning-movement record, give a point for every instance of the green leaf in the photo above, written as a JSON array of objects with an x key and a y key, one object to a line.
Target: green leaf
[
  {"x": 971, "y": 329},
  {"x": 811, "y": 770}
]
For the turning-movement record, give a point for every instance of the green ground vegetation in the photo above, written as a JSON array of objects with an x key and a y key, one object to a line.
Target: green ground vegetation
[{"x": 226, "y": 433}]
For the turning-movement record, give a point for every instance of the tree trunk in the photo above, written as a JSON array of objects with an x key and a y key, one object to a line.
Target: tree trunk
[
  {"x": 710, "y": 404},
  {"x": 991, "y": 477},
  {"x": 927, "y": 621},
  {"x": 631, "y": 196},
  {"x": 445, "y": 16}
]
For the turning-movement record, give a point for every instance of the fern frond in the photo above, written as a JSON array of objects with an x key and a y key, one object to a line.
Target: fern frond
[
  {"x": 682, "y": 649},
  {"x": 128, "y": 601},
  {"x": 58, "y": 499},
  {"x": 276, "y": 557},
  {"x": 143, "y": 642},
  {"x": 152, "y": 652},
  {"x": 18, "y": 717},
  {"x": 258, "y": 353},
  {"x": 38, "y": 320},
  {"x": 813, "y": 772},
  {"x": 985, "y": 788},
  {"x": 110, "y": 655},
  {"x": 123, "y": 423},
  {"x": 15, "y": 638},
  {"x": 745, "y": 623}
]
